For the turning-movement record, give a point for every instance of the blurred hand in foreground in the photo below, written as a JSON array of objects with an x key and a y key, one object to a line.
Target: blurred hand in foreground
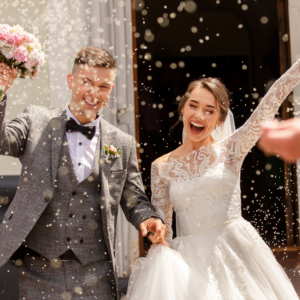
[{"x": 281, "y": 138}]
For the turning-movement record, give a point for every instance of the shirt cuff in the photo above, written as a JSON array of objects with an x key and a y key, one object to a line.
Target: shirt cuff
[{"x": 3, "y": 100}]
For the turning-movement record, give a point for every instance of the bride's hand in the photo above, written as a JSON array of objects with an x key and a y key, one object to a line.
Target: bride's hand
[{"x": 163, "y": 242}]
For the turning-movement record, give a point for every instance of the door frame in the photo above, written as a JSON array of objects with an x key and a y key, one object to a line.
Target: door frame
[{"x": 291, "y": 182}]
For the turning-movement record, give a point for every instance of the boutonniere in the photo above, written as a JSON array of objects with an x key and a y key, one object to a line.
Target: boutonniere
[{"x": 111, "y": 151}]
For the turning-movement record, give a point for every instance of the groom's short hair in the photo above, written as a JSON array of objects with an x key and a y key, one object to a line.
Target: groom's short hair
[{"x": 94, "y": 57}]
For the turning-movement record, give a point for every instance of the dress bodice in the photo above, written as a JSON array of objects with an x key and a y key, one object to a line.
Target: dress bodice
[
  {"x": 204, "y": 186},
  {"x": 212, "y": 199}
]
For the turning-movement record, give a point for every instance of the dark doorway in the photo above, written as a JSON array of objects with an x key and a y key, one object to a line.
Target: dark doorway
[{"x": 236, "y": 41}]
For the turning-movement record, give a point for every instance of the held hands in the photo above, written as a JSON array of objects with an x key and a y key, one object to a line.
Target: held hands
[
  {"x": 157, "y": 228},
  {"x": 281, "y": 138},
  {"x": 7, "y": 76},
  {"x": 163, "y": 242}
]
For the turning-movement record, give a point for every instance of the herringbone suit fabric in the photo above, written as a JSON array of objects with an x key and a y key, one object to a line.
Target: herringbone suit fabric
[
  {"x": 94, "y": 281},
  {"x": 72, "y": 220}
]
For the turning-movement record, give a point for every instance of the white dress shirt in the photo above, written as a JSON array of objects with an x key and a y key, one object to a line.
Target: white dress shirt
[{"x": 82, "y": 150}]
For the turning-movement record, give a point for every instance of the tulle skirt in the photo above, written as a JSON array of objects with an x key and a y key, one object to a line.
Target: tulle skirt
[
  {"x": 164, "y": 274},
  {"x": 226, "y": 262}
]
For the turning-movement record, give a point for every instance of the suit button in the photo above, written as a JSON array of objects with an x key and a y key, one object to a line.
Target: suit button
[
  {"x": 86, "y": 195},
  {"x": 83, "y": 217},
  {"x": 71, "y": 215},
  {"x": 47, "y": 199},
  {"x": 74, "y": 193},
  {"x": 68, "y": 239},
  {"x": 81, "y": 241}
]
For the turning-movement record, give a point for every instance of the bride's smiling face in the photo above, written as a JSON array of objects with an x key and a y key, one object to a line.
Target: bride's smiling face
[{"x": 201, "y": 114}]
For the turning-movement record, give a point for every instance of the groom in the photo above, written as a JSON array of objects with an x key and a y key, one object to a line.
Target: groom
[{"x": 60, "y": 228}]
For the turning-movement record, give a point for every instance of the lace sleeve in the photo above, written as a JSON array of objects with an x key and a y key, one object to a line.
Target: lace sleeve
[
  {"x": 161, "y": 201},
  {"x": 246, "y": 136}
]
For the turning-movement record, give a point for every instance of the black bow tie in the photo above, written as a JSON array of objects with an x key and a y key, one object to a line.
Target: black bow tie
[{"x": 87, "y": 131}]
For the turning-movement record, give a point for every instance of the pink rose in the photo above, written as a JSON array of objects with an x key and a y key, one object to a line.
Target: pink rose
[
  {"x": 29, "y": 64},
  {"x": 28, "y": 37},
  {"x": 35, "y": 59},
  {"x": 34, "y": 74},
  {"x": 112, "y": 149},
  {"x": 21, "y": 54},
  {"x": 4, "y": 32},
  {"x": 10, "y": 41},
  {"x": 17, "y": 38}
]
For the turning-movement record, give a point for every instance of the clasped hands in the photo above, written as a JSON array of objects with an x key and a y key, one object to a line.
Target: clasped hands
[{"x": 157, "y": 231}]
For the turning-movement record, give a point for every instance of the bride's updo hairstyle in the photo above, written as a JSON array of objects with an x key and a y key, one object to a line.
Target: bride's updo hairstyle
[{"x": 213, "y": 85}]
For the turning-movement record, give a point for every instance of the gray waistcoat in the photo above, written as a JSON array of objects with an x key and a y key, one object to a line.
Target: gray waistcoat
[{"x": 72, "y": 220}]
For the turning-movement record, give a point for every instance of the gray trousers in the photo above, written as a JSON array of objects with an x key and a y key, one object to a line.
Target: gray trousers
[{"x": 65, "y": 280}]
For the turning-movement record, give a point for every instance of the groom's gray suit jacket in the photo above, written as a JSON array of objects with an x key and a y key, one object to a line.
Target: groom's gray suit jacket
[{"x": 36, "y": 137}]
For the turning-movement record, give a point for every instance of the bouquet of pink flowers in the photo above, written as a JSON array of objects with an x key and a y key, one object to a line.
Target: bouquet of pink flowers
[{"x": 21, "y": 50}]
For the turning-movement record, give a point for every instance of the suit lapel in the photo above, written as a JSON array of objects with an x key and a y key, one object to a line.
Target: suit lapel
[
  {"x": 107, "y": 136},
  {"x": 58, "y": 127}
]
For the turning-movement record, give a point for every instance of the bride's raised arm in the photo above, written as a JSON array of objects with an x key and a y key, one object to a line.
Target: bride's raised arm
[
  {"x": 243, "y": 139},
  {"x": 161, "y": 201}
]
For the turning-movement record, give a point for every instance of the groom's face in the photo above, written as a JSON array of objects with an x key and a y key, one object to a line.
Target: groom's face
[{"x": 91, "y": 88}]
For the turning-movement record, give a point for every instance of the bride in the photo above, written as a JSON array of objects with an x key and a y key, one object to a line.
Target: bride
[{"x": 218, "y": 254}]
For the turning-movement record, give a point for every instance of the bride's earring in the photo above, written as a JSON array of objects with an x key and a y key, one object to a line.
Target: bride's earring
[{"x": 181, "y": 117}]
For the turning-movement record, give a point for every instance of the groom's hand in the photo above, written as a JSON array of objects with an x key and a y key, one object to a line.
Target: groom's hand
[
  {"x": 7, "y": 76},
  {"x": 156, "y": 227}
]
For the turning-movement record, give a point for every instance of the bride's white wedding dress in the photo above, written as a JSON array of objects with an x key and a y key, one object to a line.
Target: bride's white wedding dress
[{"x": 223, "y": 255}]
